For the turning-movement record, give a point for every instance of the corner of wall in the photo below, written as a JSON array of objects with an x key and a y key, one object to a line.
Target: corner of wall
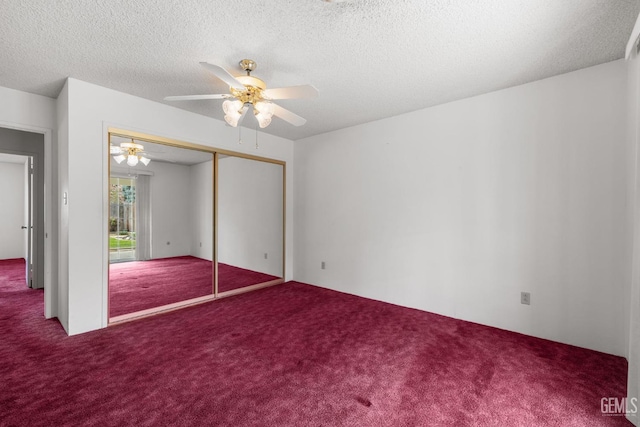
[{"x": 62, "y": 106}]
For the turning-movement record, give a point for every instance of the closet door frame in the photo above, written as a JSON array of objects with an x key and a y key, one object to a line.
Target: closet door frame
[
  {"x": 215, "y": 221},
  {"x": 215, "y": 152}
]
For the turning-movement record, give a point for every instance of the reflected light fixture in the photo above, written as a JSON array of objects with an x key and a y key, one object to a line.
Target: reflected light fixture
[{"x": 129, "y": 151}]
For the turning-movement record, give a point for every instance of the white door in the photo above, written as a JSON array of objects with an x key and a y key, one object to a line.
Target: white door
[{"x": 29, "y": 223}]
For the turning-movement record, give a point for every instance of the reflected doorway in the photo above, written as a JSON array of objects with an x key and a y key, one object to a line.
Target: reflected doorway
[{"x": 122, "y": 219}]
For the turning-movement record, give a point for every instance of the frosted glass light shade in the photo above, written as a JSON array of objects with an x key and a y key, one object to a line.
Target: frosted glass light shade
[
  {"x": 264, "y": 109},
  {"x": 263, "y": 121},
  {"x": 232, "y": 108},
  {"x": 132, "y": 160},
  {"x": 145, "y": 160},
  {"x": 120, "y": 158},
  {"x": 232, "y": 120}
]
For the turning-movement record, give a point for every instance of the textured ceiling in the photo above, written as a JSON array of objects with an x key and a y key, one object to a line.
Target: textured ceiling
[{"x": 369, "y": 58}]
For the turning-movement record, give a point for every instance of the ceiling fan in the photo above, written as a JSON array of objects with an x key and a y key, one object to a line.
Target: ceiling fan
[
  {"x": 249, "y": 91},
  {"x": 129, "y": 151}
]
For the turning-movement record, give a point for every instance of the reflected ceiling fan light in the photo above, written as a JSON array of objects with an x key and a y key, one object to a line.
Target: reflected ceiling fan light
[
  {"x": 132, "y": 160},
  {"x": 130, "y": 151}
]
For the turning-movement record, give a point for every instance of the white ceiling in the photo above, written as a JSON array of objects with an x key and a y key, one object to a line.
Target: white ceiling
[{"x": 369, "y": 59}]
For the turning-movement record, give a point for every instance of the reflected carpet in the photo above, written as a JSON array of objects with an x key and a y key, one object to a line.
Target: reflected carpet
[
  {"x": 140, "y": 285},
  {"x": 292, "y": 355}
]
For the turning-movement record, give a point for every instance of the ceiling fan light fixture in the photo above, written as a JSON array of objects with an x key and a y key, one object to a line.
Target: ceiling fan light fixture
[
  {"x": 249, "y": 91},
  {"x": 119, "y": 158},
  {"x": 232, "y": 108},
  {"x": 132, "y": 160},
  {"x": 263, "y": 121},
  {"x": 231, "y": 120},
  {"x": 264, "y": 108},
  {"x": 263, "y": 112}
]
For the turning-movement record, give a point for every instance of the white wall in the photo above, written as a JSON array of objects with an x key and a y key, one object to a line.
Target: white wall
[
  {"x": 170, "y": 209},
  {"x": 179, "y": 195},
  {"x": 62, "y": 126},
  {"x": 201, "y": 210},
  {"x": 250, "y": 214},
  {"x": 92, "y": 109},
  {"x": 458, "y": 208},
  {"x": 35, "y": 113},
  {"x": 633, "y": 295},
  {"x": 12, "y": 210}
]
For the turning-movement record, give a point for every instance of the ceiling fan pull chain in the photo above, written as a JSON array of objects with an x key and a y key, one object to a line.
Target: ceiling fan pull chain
[
  {"x": 256, "y": 137},
  {"x": 239, "y": 134}
]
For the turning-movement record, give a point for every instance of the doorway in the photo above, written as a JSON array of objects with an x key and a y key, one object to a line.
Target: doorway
[
  {"x": 16, "y": 215},
  {"x": 27, "y": 149},
  {"x": 122, "y": 219}
]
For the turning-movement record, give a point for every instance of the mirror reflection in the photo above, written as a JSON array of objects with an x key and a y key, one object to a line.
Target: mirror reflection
[
  {"x": 250, "y": 222},
  {"x": 160, "y": 225}
]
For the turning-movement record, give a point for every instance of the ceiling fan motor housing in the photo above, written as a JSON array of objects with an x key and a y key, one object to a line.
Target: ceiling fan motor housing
[{"x": 253, "y": 90}]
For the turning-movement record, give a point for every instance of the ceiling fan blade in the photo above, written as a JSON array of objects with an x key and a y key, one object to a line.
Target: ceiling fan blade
[
  {"x": 196, "y": 97},
  {"x": 288, "y": 116},
  {"x": 223, "y": 75},
  {"x": 291, "y": 92}
]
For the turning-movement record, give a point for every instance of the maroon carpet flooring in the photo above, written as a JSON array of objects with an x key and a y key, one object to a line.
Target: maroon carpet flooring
[
  {"x": 230, "y": 277},
  {"x": 291, "y": 355},
  {"x": 140, "y": 285}
]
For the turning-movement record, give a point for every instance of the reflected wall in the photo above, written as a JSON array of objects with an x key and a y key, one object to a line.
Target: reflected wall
[{"x": 250, "y": 222}]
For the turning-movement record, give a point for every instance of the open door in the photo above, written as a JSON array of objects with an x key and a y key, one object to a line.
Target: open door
[
  {"x": 29, "y": 221},
  {"x": 30, "y": 145}
]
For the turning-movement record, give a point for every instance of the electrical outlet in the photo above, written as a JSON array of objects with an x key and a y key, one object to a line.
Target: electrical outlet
[
  {"x": 525, "y": 298},
  {"x": 266, "y": 255},
  {"x": 322, "y": 265}
]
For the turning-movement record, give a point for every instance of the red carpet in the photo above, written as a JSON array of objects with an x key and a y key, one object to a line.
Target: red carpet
[
  {"x": 292, "y": 355},
  {"x": 230, "y": 277},
  {"x": 139, "y": 285}
]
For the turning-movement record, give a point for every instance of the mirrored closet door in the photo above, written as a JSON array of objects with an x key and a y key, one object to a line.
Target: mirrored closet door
[
  {"x": 250, "y": 223},
  {"x": 160, "y": 226}
]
